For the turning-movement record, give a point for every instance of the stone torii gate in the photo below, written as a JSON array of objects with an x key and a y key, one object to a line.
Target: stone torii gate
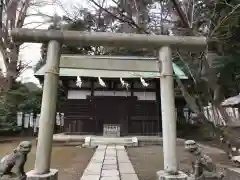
[{"x": 55, "y": 38}]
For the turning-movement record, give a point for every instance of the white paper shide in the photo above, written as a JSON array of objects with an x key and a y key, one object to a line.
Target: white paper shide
[
  {"x": 79, "y": 82},
  {"x": 101, "y": 82}
]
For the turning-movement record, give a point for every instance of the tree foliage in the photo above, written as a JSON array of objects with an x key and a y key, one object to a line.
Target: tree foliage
[
  {"x": 24, "y": 98},
  {"x": 19, "y": 98}
]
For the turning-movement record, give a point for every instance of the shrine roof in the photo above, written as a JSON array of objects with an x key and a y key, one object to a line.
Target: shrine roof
[{"x": 110, "y": 67}]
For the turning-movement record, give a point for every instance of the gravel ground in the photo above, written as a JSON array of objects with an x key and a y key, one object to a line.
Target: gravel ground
[
  {"x": 149, "y": 159},
  {"x": 69, "y": 160}
]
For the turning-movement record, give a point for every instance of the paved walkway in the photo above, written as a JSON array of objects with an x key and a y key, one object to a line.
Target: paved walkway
[{"x": 110, "y": 163}]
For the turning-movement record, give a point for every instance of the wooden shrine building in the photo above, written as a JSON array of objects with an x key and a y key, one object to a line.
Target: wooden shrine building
[{"x": 92, "y": 105}]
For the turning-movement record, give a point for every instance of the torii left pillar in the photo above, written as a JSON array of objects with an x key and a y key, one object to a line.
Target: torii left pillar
[{"x": 42, "y": 169}]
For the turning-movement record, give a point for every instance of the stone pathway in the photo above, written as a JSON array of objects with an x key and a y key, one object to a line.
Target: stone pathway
[{"x": 110, "y": 162}]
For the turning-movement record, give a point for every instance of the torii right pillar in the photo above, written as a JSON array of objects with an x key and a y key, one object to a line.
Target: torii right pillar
[{"x": 169, "y": 131}]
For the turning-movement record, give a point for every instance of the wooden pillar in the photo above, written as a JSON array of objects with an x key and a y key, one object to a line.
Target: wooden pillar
[
  {"x": 158, "y": 102},
  {"x": 92, "y": 86},
  {"x": 131, "y": 87}
]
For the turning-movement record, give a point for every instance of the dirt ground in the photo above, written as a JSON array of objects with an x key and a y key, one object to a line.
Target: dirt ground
[
  {"x": 149, "y": 159},
  {"x": 69, "y": 160}
]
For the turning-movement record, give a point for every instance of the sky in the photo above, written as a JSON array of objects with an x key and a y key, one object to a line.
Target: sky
[{"x": 30, "y": 52}]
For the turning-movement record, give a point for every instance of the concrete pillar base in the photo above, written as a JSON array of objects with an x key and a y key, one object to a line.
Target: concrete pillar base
[
  {"x": 52, "y": 175},
  {"x": 162, "y": 175}
]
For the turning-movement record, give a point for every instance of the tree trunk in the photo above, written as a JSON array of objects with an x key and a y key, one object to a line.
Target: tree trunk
[
  {"x": 201, "y": 119},
  {"x": 217, "y": 99},
  {"x": 12, "y": 67}
]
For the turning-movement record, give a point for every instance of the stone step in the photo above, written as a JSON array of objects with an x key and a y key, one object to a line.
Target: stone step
[
  {"x": 127, "y": 139},
  {"x": 97, "y": 141}
]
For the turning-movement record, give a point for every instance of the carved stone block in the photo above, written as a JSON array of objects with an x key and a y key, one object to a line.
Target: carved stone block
[
  {"x": 52, "y": 175},
  {"x": 112, "y": 130},
  {"x": 162, "y": 175}
]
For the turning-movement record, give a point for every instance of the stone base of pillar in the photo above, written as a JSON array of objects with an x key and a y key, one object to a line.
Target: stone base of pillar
[
  {"x": 162, "y": 175},
  {"x": 52, "y": 175}
]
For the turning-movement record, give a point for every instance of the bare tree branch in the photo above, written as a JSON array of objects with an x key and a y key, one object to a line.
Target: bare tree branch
[
  {"x": 13, "y": 14},
  {"x": 23, "y": 13},
  {"x": 224, "y": 19},
  {"x": 127, "y": 20},
  {"x": 59, "y": 3},
  {"x": 181, "y": 14}
]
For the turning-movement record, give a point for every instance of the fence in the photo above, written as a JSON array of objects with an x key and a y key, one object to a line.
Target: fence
[
  {"x": 214, "y": 115},
  {"x": 29, "y": 122}
]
